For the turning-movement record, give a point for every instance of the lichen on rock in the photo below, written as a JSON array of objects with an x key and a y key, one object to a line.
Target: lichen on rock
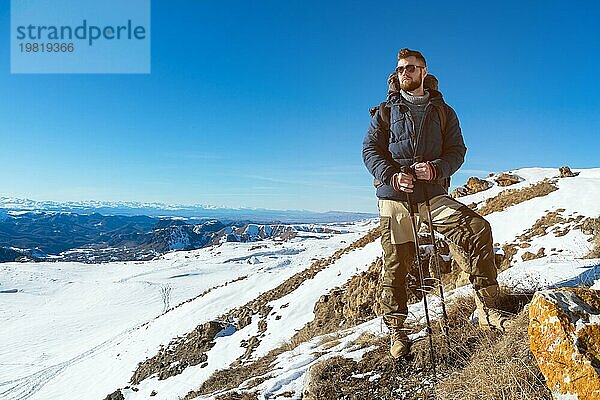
[{"x": 564, "y": 330}]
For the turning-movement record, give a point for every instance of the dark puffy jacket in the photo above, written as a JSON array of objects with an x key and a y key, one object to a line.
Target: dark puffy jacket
[{"x": 386, "y": 149}]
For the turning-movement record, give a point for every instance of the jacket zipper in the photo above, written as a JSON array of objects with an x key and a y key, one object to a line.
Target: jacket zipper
[{"x": 419, "y": 133}]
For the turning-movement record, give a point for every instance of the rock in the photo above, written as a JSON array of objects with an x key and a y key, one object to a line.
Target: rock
[
  {"x": 564, "y": 334},
  {"x": 473, "y": 185},
  {"x": 531, "y": 256},
  {"x": 505, "y": 179},
  {"x": 180, "y": 353},
  {"x": 565, "y": 172},
  {"x": 116, "y": 395},
  {"x": 254, "y": 260},
  {"x": 459, "y": 192}
]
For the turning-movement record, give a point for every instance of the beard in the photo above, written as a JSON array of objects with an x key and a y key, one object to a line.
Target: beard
[{"x": 409, "y": 86}]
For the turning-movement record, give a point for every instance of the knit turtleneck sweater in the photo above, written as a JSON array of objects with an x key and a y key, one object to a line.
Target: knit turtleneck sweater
[{"x": 416, "y": 105}]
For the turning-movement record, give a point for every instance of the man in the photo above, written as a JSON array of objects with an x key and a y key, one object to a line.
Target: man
[{"x": 416, "y": 128}]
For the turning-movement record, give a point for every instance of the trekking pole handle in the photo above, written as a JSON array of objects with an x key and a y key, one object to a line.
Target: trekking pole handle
[{"x": 405, "y": 169}]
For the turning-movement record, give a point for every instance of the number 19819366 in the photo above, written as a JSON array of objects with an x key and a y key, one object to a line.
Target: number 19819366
[{"x": 47, "y": 47}]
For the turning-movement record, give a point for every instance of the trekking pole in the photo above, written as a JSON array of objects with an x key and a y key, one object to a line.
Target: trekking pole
[
  {"x": 438, "y": 270},
  {"x": 408, "y": 170}
]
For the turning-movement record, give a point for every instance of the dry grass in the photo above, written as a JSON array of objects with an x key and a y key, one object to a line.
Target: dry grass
[
  {"x": 505, "y": 370},
  {"x": 238, "y": 396},
  {"x": 233, "y": 377},
  {"x": 326, "y": 321},
  {"x": 476, "y": 357},
  {"x": 511, "y": 197},
  {"x": 366, "y": 339},
  {"x": 329, "y": 341}
]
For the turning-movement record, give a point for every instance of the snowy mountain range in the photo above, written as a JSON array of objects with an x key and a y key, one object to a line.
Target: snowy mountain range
[
  {"x": 237, "y": 320},
  {"x": 257, "y": 215},
  {"x": 93, "y": 238}
]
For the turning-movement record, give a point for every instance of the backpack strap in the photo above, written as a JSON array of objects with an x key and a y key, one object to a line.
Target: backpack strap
[
  {"x": 443, "y": 118},
  {"x": 384, "y": 112},
  {"x": 443, "y": 125},
  {"x": 385, "y": 115}
]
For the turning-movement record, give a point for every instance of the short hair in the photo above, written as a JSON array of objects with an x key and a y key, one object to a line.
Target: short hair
[{"x": 405, "y": 53}]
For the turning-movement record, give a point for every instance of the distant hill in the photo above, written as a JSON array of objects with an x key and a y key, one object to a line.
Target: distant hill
[
  {"x": 258, "y": 215},
  {"x": 93, "y": 238}
]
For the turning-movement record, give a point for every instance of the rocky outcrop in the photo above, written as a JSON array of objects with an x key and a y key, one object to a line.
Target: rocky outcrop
[
  {"x": 349, "y": 305},
  {"x": 591, "y": 226},
  {"x": 533, "y": 256},
  {"x": 505, "y": 179},
  {"x": 473, "y": 185},
  {"x": 180, "y": 353},
  {"x": 565, "y": 172},
  {"x": 116, "y": 395},
  {"x": 564, "y": 330}
]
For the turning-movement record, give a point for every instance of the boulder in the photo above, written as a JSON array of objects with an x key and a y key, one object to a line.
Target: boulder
[
  {"x": 116, "y": 395},
  {"x": 565, "y": 172},
  {"x": 564, "y": 336},
  {"x": 473, "y": 185},
  {"x": 505, "y": 179}
]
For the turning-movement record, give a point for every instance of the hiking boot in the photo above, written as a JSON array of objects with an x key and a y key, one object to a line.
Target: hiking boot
[
  {"x": 490, "y": 317},
  {"x": 399, "y": 341}
]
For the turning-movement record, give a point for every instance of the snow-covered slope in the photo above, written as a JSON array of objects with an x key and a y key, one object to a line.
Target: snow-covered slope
[{"x": 79, "y": 331}]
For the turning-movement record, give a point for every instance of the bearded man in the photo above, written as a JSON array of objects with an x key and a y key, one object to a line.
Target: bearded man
[{"x": 416, "y": 128}]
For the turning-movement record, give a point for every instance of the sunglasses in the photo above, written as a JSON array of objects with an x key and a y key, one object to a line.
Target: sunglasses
[{"x": 408, "y": 68}]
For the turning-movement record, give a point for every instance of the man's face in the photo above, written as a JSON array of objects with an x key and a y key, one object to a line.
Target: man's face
[{"x": 410, "y": 81}]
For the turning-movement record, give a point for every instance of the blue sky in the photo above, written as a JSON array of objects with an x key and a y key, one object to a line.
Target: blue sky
[{"x": 265, "y": 104}]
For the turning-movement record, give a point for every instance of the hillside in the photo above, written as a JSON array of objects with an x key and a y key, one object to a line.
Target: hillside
[
  {"x": 95, "y": 238},
  {"x": 249, "y": 320}
]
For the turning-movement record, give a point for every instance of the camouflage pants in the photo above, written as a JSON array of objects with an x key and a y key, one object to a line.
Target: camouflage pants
[{"x": 463, "y": 227}]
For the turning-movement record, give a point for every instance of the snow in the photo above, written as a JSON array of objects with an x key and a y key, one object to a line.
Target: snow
[
  {"x": 550, "y": 272},
  {"x": 577, "y": 194},
  {"x": 301, "y": 301},
  {"x": 70, "y": 328},
  {"x": 252, "y": 230},
  {"x": 72, "y": 324}
]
